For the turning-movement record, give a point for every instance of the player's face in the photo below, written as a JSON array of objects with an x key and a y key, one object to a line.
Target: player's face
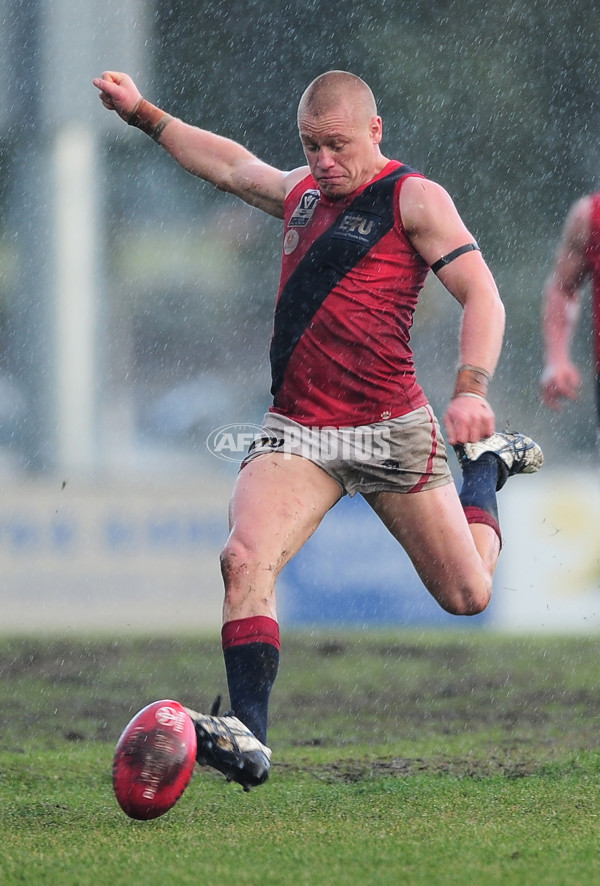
[{"x": 341, "y": 148}]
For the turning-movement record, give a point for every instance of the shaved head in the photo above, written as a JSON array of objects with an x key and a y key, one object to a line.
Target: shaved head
[
  {"x": 335, "y": 88},
  {"x": 340, "y": 132}
]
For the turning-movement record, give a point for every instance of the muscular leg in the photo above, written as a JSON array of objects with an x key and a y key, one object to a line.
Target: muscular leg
[
  {"x": 454, "y": 560},
  {"x": 277, "y": 504}
]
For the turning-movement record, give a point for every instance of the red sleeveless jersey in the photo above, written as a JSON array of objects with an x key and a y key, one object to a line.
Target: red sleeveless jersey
[
  {"x": 350, "y": 281},
  {"x": 592, "y": 255}
]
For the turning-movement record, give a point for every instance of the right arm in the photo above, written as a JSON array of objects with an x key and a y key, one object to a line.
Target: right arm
[
  {"x": 227, "y": 165},
  {"x": 560, "y": 377},
  {"x": 224, "y": 163},
  {"x": 435, "y": 229}
]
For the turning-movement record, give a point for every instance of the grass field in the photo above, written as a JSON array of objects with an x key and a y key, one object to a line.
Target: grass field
[{"x": 399, "y": 758}]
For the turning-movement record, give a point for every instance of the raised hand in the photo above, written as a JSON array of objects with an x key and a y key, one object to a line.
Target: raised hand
[{"x": 118, "y": 93}]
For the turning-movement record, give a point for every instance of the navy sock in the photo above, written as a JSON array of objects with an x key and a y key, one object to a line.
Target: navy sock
[
  {"x": 251, "y": 672},
  {"x": 480, "y": 481},
  {"x": 251, "y": 653}
]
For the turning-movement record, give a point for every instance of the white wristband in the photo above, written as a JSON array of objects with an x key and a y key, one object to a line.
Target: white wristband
[{"x": 469, "y": 394}]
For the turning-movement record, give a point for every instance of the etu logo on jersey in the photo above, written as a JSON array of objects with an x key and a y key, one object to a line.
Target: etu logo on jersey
[{"x": 358, "y": 227}]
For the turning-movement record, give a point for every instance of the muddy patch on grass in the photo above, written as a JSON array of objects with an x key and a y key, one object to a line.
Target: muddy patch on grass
[
  {"x": 524, "y": 702},
  {"x": 352, "y": 771}
]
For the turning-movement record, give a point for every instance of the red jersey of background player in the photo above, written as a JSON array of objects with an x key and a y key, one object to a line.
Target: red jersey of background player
[{"x": 340, "y": 352}]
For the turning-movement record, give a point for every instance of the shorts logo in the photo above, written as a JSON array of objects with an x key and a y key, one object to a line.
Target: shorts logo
[
  {"x": 303, "y": 212},
  {"x": 272, "y": 443},
  {"x": 357, "y": 227}
]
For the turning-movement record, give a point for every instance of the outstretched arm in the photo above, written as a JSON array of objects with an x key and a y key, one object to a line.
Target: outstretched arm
[
  {"x": 560, "y": 377},
  {"x": 225, "y": 163},
  {"x": 436, "y": 230}
]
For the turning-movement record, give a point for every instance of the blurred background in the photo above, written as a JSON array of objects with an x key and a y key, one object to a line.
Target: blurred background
[{"x": 136, "y": 301}]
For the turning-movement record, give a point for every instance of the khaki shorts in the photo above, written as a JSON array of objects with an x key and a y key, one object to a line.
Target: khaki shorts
[{"x": 405, "y": 454}]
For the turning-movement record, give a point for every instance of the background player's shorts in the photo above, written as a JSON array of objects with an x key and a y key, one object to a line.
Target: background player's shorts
[{"x": 405, "y": 454}]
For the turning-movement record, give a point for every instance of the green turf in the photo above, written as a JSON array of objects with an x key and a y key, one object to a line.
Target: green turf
[{"x": 399, "y": 758}]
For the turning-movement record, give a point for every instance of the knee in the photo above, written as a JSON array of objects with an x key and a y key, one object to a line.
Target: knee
[
  {"x": 236, "y": 560},
  {"x": 245, "y": 568},
  {"x": 248, "y": 581},
  {"x": 467, "y": 600}
]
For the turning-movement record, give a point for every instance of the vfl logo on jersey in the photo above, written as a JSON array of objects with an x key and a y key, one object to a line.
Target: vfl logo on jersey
[
  {"x": 303, "y": 212},
  {"x": 357, "y": 227}
]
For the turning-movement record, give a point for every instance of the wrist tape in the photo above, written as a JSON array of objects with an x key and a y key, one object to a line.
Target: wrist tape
[
  {"x": 149, "y": 119},
  {"x": 471, "y": 380}
]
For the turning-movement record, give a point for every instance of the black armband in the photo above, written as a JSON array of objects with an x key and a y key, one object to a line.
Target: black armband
[{"x": 446, "y": 259}]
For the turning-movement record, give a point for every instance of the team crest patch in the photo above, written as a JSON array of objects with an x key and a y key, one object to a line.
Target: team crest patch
[
  {"x": 303, "y": 212},
  {"x": 290, "y": 241}
]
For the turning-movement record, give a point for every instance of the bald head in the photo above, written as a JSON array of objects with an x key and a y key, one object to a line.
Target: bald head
[
  {"x": 334, "y": 88},
  {"x": 340, "y": 133}
]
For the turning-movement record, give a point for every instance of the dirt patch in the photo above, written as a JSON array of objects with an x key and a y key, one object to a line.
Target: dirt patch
[
  {"x": 522, "y": 703},
  {"x": 351, "y": 771}
]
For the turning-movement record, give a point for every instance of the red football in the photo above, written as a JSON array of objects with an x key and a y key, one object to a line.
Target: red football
[{"x": 154, "y": 759}]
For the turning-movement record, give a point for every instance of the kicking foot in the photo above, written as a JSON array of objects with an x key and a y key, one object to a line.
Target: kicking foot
[
  {"x": 517, "y": 453},
  {"x": 227, "y": 745}
]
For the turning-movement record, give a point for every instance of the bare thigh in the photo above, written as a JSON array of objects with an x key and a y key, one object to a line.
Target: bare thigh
[
  {"x": 432, "y": 529},
  {"x": 277, "y": 503}
]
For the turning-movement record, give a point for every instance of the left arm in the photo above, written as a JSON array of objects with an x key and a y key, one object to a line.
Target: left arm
[
  {"x": 562, "y": 297},
  {"x": 435, "y": 229}
]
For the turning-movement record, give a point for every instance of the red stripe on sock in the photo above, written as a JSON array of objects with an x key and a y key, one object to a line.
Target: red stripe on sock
[
  {"x": 478, "y": 515},
  {"x": 256, "y": 629}
]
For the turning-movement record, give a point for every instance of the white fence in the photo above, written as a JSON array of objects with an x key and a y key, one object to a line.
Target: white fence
[{"x": 124, "y": 557}]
